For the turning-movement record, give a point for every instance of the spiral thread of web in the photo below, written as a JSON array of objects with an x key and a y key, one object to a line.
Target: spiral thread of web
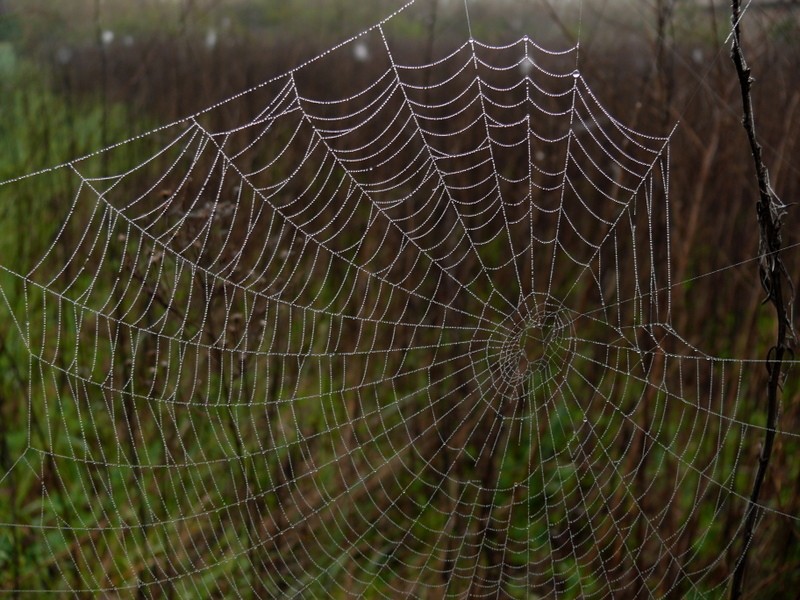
[{"x": 426, "y": 325}]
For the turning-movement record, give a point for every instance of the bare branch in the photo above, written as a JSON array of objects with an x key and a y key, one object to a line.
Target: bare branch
[{"x": 776, "y": 283}]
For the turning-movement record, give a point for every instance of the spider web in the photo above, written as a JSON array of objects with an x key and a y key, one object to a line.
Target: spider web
[{"x": 411, "y": 340}]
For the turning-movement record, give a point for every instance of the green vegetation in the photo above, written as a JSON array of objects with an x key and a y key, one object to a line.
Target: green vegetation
[{"x": 199, "y": 399}]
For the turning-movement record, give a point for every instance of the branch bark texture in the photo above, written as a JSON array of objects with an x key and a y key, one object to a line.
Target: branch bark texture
[{"x": 778, "y": 287}]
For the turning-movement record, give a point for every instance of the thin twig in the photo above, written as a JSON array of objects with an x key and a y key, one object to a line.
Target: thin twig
[{"x": 778, "y": 287}]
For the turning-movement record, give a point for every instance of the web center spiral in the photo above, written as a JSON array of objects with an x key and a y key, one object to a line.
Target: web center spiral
[{"x": 529, "y": 353}]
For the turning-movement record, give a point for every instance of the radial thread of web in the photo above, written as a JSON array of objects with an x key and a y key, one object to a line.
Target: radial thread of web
[{"x": 412, "y": 339}]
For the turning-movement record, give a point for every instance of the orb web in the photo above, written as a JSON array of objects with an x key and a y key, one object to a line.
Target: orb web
[{"x": 413, "y": 338}]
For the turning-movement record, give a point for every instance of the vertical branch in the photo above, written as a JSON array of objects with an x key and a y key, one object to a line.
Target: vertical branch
[
  {"x": 776, "y": 283},
  {"x": 665, "y": 75},
  {"x": 431, "y": 38},
  {"x": 101, "y": 45}
]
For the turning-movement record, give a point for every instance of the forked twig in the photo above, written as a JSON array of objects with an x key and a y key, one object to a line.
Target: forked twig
[{"x": 777, "y": 285}]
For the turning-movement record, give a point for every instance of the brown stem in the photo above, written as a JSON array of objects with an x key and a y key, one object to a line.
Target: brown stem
[{"x": 774, "y": 278}]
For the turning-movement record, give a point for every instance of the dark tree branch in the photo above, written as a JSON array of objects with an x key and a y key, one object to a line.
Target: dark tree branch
[{"x": 776, "y": 283}]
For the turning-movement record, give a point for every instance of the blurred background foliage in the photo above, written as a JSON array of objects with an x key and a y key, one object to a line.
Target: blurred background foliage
[{"x": 76, "y": 76}]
